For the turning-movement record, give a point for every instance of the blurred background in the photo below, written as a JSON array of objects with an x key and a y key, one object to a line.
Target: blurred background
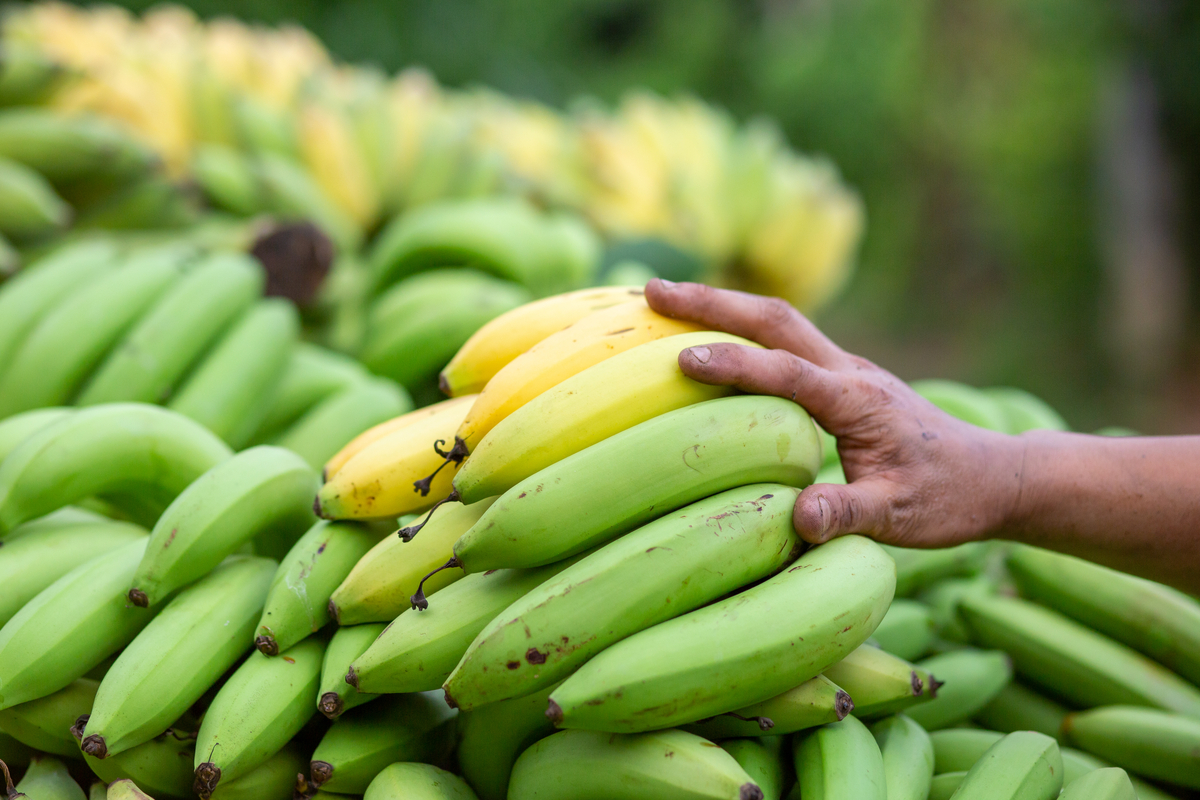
[{"x": 1029, "y": 170}]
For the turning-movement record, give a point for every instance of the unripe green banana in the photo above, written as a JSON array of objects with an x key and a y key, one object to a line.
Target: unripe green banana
[
  {"x": 491, "y": 737},
  {"x": 45, "y": 724},
  {"x": 227, "y": 179},
  {"x": 162, "y": 765},
  {"x": 964, "y": 402},
  {"x": 230, "y": 392},
  {"x": 98, "y": 791},
  {"x": 155, "y": 355},
  {"x": 1149, "y": 617},
  {"x": 33, "y": 560},
  {"x": 126, "y": 790},
  {"x": 943, "y": 786},
  {"x": 20, "y": 427},
  {"x": 1025, "y": 412},
  {"x": 917, "y": 569},
  {"x": 1074, "y": 662},
  {"x": 664, "y": 764},
  {"x": 87, "y": 513},
  {"x": 815, "y": 702},
  {"x": 71, "y": 148},
  {"x": 328, "y": 426},
  {"x": 967, "y": 680},
  {"x": 1022, "y": 766},
  {"x": 298, "y": 603},
  {"x": 313, "y": 374},
  {"x": 1154, "y": 744},
  {"x": 274, "y": 779},
  {"x": 409, "y": 781},
  {"x": 151, "y": 202},
  {"x": 259, "y": 709},
  {"x": 763, "y": 761},
  {"x": 957, "y": 749},
  {"x": 634, "y": 476},
  {"x": 406, "y": 727},
  {"x": 666, "y": 568},
  {"x": 72, "y": 339},
  {"x": 823, "y": 759},
  {"x": 27, "y": 73},
  {"x": 735, "y": 652},
  {"x": 880, "y": 683},
  {"x": 263, "y": 488},
  {"x": 1077, "y": 763},
  {"x": 1111, "y": 783},
  {"x": 942, "y": 599},
  {"x": 72, "y": 626},
  {"x": 180, "y": 654},
  {"x": 380, "y": 586},
  {"x": 48, "y": 779},
  {"x": 906, "y": 630},
  {"x": 1019, "y": 708},
  {"x": 335, "y": 695},
  {"x": 291, "y": 192},
  {"x": 28, "y": 297},
  {"x": 907, "y": 757},
  {"x": 29, "y": 207}
]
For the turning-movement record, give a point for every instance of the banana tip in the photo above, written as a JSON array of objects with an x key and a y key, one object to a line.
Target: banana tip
[
  {"x": 266, "y": 645},
  {"x": 94, "y": 746},
  {"x": 139, "y": 598},
  {"x": 208, "y": 775},
  {"x": 331, "y": 705},
  {"x": 450, "y": 701},
  {"x": 934, "y": 685},
  {"x": 554, "y": 713},
  {"x": 750, "y": 792},
  {"x": 842, "y": 704},
  {"x": 352, "y": 677},
  {"x": 333, "y": 612},
  {"x": 80, "y": 725},
  {"x": 444, "y": 385},
  {"x": 320, "y": 771},
  {"x": 317, "y": 508},
  {"x": 918, "y": 685}
]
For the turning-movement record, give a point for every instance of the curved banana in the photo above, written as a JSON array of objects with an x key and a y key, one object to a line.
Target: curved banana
[
  {"x": 72, "y": 148},
  {"x": 29, "y": 206},
  {"x": 48, "y": 778},
  {"x": 333, "y": 422},
  {"x": 313, "y": 374},
  {"x": 881, "y": 683},
  {"x": 162, "y": 765},
  {"x": 409, "y": 781},
  {"x": 967, "y": 680},
  {"x": 453, "y": 408},
  {"x": 815, "y": 702},
  {"x": 491, "y": 737},
  {"x": 20, "y": 427},
  {"x": 907, "y": 757},
  {"x": 1154, "y": 744},
  {"x": 1018, "y": 708},
  {"x": 906, "y": 630},
  {"x": 823, "y": 755},
  {"x": 761, "y": 759},
  {"x": 336, "y": 695},
  {"x": 1021, "y": 766},
  {"x": 45, "y": 724},
  {"x": 1110, "y": 783},
  {"x": 275, "y": 779}
]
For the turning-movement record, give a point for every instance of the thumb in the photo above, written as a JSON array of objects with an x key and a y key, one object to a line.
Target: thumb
[{"x": 827, "y": 510}]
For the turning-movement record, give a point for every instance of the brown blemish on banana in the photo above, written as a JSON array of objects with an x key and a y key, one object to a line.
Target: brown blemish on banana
[
  {"x": 138, "y": 598},
  {"x": 535, "y": 656}
]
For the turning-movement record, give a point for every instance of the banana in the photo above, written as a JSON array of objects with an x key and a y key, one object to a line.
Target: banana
[
  {"x": 126, "y": 790},
  {"x": 881, "y": 683},
  {"x": 1019, "y": 708},
  {"x": 259, "y": 709},
  {"x": 669, "y": 567},
  {"x": 957, "y": 749},
  {"x": 298, "y": 602},
  {"x": 274, "y": 779},
  {"x": 98, "y": 791},
  {"x": 1025, "y": 412},
  {"x": 407, "y": 727},
  {"x": 36, "y": 559},
  {"x": 1111, "y": 783},
  {"x": 66, "y": 149},
  {"x": 178, "y": 656},
  {"x": 589, "y": 341},
  {"x": 943, "y": 786},
  {"x": 906, "y": 630},
  {"x": 71, "y": 627},
  {"x": 1021, "y": 766},
  {"x": 942, "y": 600},
  {"x": 762, "y": 761},
  {"x": 1153, "y": 619},
  {"x": 29, "y": 207},
  {"x": 417, "y": 782},
  {"x": 964, "y": 402},
  {"x": 328, "y": 426},
  {"x": 823, "y": 755},
  {"x": 45, "y": 724},
  {"x": 20, "y": 427},
  {"x": 27, "y": 297},
  {"x": 638, "y": 474},
  {"x": 1077, "y": 763},
  {"x": 65, "y": 516},
  {"x": 335, "y": 695},
  {"x": 228, "y": 180},
  {"x": 907, "y": 757},
  {"x": 260, "y": 489},
  {"x": 313, "y": 374},
  {"x": 230, "y": 392},
  {"x": 502, "y": 340},
  {"x": 1154, "y": 744},
  {"x": 584, "y": 409},
  {"x": 27, "y": 73},
  {"x": 153, "y": 202},
  {"x": 48, "y": 779},
  {"x": 290, "y": 191},
  {"x": 381, "y": 584},
  {"x": 162, "y": 765},
  {"x": 663, "y": 764},
  {"x": 10, "y": 258},
  {"x": 378, "y": 477},
  {"x": 1074, "y": 662},
  {"x": 735, "y": 652},
  {"x": 69, "y": 341},
  {"x": 491, "y": 737},
  {"x": 967, "y": 680},
  {"x": 917, "y": 569},
  {"x": 176, "y": 332},
  {"x": 120, "y": 446},
  {"x": 815, "y": 702}
]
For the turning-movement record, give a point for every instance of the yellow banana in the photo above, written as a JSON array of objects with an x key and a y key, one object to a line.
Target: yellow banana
[{"x": 455, "y": 406}]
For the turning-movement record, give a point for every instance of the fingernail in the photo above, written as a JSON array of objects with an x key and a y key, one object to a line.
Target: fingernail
[
  {"x": 701, "y": 354},
  {"x": 666, "y": 284},
  {"x": 826, "y": 515}
]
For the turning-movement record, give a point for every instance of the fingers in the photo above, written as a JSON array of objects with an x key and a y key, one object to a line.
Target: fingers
[
  {"x": 825, "y": 511},
  {"x": 766, "y": 320}
]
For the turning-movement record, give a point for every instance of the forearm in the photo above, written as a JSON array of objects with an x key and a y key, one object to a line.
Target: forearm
[{"x": 1132, "y": 503}]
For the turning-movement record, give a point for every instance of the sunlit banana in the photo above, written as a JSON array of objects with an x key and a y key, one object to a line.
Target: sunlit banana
[
  {"x": 453, "y": 408},
  {"x": 1111, "y": 783},
  {"x": 735, "y": 652},
  {"x": 409, "y": 781},
  {"x": 666, "y": 763},
  {"x": 964, "y": 402},
  {"x": 641, "y": 473},
  {"x": 881, "y": 683},
  {"x": 907, "y": 757},
  {"x": 29, "y": 206},
  {"x": 762, "y": 759},
  {"x": 491, "y": 737},
  {"x": 48, "y": 778},
  {"x": 967, "y": 680},
  {"x": 1018, "y": 708},
  {"x": 1154, "y": 744},
  {"x": 178, "y": 656},
  {"x": 336, "y": 695},
  {"x": 815, "y": 702},
  {"x": 275, "y": 779},
  {"x": 1024, "y": 411},
  {"x": 823, "y": 755},
  {"x": 20, "y": 427},
  {"x": 71, "y": 148},
  {"x": 906, "y": 630},
  {"x": 1022, "y": 766},
  {"x": 162, "y": 765},
  {"x": 313, "y": 374},
  {"x": 333, "y": 422},
  {"x": 263, "y": 488},
  {"x": 45, "y": 724}
]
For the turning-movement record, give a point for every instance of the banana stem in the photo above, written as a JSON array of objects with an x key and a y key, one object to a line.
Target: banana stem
[
  {"x": 455, "y": 454},
  {"x": 408, "y": 533},
  {"x": 418, "y": 600},
  {"x": 9, "y": 789}
]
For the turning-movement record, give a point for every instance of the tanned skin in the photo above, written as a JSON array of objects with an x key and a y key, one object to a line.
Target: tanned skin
[{"x": 918, "y": 477}]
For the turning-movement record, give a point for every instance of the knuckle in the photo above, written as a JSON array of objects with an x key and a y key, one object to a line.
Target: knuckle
[{"x": 776, "y": 312}]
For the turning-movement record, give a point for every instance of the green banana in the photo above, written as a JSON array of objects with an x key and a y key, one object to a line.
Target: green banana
[
  {"x": 406, "y": 727},
  {"x": 1149, "y": 617},
  {"x": 274, "y": 779},
  {"x": 328, "y": 426},
  {"x": 48, "y": 779},
  {"x": 37, "y": 558},
  {"x": 917, "y": 569},
  {"x": 957, "y": 749},
  {"x": 967, "y": 680},
  {"x": 70, "y": 340},
  {"x": 291, "y": 192},
  {"x": 666, "y": 764},
  {"x": 263, "y": 488},
  {"x": 178, "y": 656},
  {"x": 1019, "y": 708},
  {"x": 83, "y": 514},
  {"x": 907, "y": 757},
  {"x": 71, "y": 148},
  {"x": 27, "y": 297},
  {"x": 1025, "y": 412},
  {"x": 815, "y": 702},
  {"x": 822, "y": 757},
  {"x": 1021, "y": 766},
  {"x": 27, "y": 73},
  {"x": 162, "y": 765},
  {"x": 98, "y": 791},
  {"x": 1077, "y": 763},
  {"x": 880, "y": 683},
  {"x": 1111, "y": 783},
  {"x": 417, "y": 782},
  {"x": 906, "y": 630},
  {"x": 227, "y": 179},
  {"x": 230, "y": 392},
  {"x": 259, "y": 709},
  {"x": 380, "y": 585},
  {"x": 298, "y": 603},
  {"x": 126, "y": 790},
  {"x": 45, "y": 724},
  {"x": 629, "y": 479},
  {"x": 734, "y": 652},
  {"x": 10, "y": 258},
  {"x": 1154, "y": 744},
  {"x": 943, "y": 786},
  {"x": 491, "y": 737},
  {"x": 71, "y": 627},
  {"x": 964, "y": 402},
  {"x": 1074, "y": 662},
  {"x": 761, "y": 759},
  {"x": 156, "y": 354},
  {"x": 20, "y": 427},
  {"x": 335, "y": 695},
  {"x": 943, "y": 598},
  {"x": 29, "y": 207},
  {"x": 669, "y": 567},
  {"x": 313, "y": 374}
]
